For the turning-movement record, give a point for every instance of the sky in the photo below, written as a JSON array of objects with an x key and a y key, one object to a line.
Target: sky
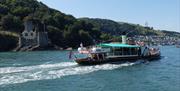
[{"x": 160, "y": 14}]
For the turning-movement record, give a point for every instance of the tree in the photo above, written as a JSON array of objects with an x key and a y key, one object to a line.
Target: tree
[
  {"x": 59, "y": 20},
  {"x": 3, "y": 9},
  {"x": 18, "y": 24},
  {"x": 85, "y": 38},
  {"x": 71, "y": 38},
  {"x": 6, "y": 22},
  {"x": 8, "y": 42},
  {"x": 21, "y": 11},
  {"x": 105, "y": 36},
  {"x": 11, "y": 23},
  {"x": 56, "y": 36}
]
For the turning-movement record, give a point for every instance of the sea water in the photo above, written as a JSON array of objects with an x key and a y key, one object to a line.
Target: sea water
[{"x": 54, "y": 71}]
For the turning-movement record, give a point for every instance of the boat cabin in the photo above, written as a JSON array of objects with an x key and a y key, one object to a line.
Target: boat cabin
[
  {"x": 120, "y": 50},
  {"x": 98, "y": 53}
]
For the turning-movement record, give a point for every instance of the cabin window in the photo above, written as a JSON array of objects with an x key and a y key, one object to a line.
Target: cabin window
[
  {"x": 123, "y": 51},
  {"x": 133, "y": 51},
  {"x": 118, "y": 51},
  {"x": 126, "y": 51}
]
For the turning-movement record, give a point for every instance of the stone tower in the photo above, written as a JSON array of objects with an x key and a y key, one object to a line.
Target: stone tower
[
  {"x": 32, "y": 38},
  {"x": 29, "y": 35}
]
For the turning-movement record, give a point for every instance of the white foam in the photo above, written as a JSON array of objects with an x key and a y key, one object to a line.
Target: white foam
[
  {"x": 30, "y": 68},
  {"x": 51, "y": 71}
]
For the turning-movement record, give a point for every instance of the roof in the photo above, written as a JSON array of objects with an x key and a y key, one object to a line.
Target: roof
[{"x": 117, "y": 45}]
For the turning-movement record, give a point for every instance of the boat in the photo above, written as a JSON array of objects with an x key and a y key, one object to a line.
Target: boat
[
  {"x": 178, "y": 46},
  {"x": 115, "y": 52}
]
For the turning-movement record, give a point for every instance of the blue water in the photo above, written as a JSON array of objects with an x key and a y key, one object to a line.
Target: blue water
[{"x": 53, "y": 71}]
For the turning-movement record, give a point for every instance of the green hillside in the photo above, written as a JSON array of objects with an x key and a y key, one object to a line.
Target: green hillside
[
  {"x": 63, "y": 30},
  {"x": 117, "y": 28},
  {"x": 8, "y": 40}
]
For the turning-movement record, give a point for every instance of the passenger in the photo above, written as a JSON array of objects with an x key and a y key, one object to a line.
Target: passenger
[{"x": 100, "y": 56}]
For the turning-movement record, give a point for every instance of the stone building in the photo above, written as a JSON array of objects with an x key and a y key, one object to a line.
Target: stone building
[{"x": 31, "y": 37}]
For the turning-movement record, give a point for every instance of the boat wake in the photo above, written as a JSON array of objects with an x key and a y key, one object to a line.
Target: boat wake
[{"x": 13, "y": 75}]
